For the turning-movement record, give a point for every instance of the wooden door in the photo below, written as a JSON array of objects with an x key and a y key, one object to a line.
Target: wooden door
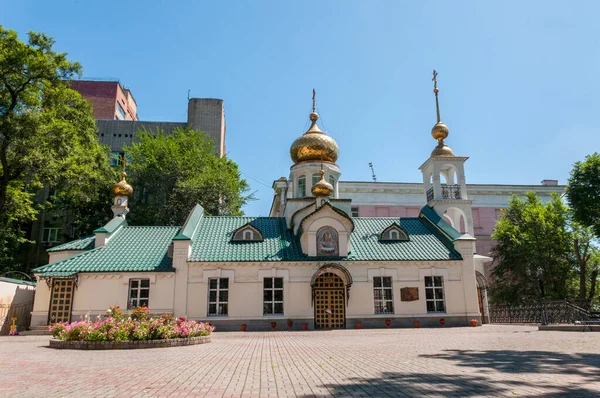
[
  {"x": 61, "y": 301},
  {"x": 330, "y": 305},
  {"x": 480, "y": 298}
]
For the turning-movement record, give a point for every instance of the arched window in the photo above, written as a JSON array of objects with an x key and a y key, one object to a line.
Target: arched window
[
  {"x": 394, "y": 233},
  {"x": 301, "y": 187},
  {"x": 332, "y": 182},
  {"x": 315, "y": 178},
  {"x": 328, "y": 242},
  {"x": 247, "y": 233}
]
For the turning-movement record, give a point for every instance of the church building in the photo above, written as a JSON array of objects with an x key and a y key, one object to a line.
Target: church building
[{"x": 311, "y": 260}]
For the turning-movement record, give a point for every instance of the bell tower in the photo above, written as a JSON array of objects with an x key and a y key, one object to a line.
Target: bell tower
[{"x": 444, "y": 178}]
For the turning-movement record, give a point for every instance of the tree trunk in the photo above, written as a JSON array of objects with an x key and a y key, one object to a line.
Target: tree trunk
[
  {"x": 594, "y": 277},
  {"x": 582, "y": 270}
]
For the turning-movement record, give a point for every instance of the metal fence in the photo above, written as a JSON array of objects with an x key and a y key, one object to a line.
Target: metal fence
[
  {"x": 20, "y": 311},
  {"x": 547, "y": 312}
]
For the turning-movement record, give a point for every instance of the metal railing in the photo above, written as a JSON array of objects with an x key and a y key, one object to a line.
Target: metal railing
[
  {"x": 451, "y": 192},
  {"x": 448, "y": 192},
  {"x": 547, "y": 312},
  {"x": 429, "y": 195}
]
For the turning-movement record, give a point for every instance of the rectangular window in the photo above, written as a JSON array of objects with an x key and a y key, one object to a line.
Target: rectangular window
[
  {"x": 51, "y": 235},
  {"x": 139, "y": 293},
  {"x": 218, "y": 296},
  {"x": 301, "y": 186},
  {"x": 434, "y": 294},
  {"x": 355, "y": 212},
  {"x": 115, "y": 158},
  {"x": 382, "y": 292},
  {"x": 273, "y": 296},
  {"x": 120, "y": 112}
]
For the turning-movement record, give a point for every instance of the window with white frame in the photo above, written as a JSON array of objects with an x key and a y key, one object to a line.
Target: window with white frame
[
  {"x": 273, "y": 296},
  {"x": 218, "y": 296},
  {"x": 301, "y": 187},
  {"x": 51, "y": 235},
  {"x": 332, "y": 181},
  {"x": 382, "y": 292},
  {"x": 355, "y": 212},
  {"x": 139, "y": 293},
  {"x": 434, "y": 294},
  {"x": 315, "y": 178}
]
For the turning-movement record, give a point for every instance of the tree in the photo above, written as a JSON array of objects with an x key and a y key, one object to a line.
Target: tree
[
  {"x": 171, "y": 173},
  {"x": 583, "y": 192},
  {"x": 533, "y": 251},
  {"x": 586, "y": 259},
  {"x": 47, "y": 137}
]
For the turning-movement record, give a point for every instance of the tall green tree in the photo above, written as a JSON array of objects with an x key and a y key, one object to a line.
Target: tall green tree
[
  {"x": 171, "y": 173},
  {"x": 47, "y": 137},
  {"x": 586, "y": 260},
  {"x": 583, "y": 192},
  {"x": 533, "y": 251}
]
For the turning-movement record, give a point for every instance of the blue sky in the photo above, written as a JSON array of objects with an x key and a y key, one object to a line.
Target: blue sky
[{"x": 517, "y": 79}]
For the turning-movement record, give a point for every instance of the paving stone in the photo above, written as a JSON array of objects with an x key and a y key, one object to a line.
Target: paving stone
[{"x": 492, "y": 360}]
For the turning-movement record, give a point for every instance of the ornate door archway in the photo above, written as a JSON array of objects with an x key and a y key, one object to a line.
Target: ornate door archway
[{"x": 330, "y": 301}]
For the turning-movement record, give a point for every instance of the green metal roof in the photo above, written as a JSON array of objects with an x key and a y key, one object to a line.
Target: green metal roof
[
  {"x": 131, "y": 249},
  {"x": 212, "y": 242},
  {"x": 17, "y": 281},
  {"x": 191, "y": 224},
  {"x": 86, "y": 243},
  {"x": 435, "y": 219},
  {"x": 112, "y": 225}
]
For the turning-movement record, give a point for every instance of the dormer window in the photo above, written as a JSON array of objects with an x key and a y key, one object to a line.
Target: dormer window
[
  {"x": 394, "y": 233},
  {"x": 247, "y": 233}
]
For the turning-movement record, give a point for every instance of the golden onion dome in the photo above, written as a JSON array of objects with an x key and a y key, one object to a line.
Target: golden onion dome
[
  {"x": 322, "y": 188},
  {"x": 314, "y": 145},
  {"x": 122, "y": 188},
  {"x": 442, "y": 150}
]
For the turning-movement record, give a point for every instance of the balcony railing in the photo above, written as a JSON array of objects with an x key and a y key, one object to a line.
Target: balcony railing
[
  {"x": 429, "y": 195},
  {"x": 451, "y": 192}
]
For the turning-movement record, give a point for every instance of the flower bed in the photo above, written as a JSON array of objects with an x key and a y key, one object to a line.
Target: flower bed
[{"x": 137, "y": 330}]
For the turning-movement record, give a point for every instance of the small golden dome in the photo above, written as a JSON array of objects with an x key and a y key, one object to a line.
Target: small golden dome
[
  {"x": 122, "y": 188},
  {"x": 322, "y": 188},
  {"x": 439, "y": 131},
  {"x": 314, "y": 145},
  {"x": 442, "y": 150}
]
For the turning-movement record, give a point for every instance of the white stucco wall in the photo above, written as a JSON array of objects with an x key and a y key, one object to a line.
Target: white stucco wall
[
  {"x": 96, "y": 292},
  {"x": 246, "y": 288}
]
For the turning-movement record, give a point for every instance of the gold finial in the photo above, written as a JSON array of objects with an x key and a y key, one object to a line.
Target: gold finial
[{"x": 440, "y": 130}]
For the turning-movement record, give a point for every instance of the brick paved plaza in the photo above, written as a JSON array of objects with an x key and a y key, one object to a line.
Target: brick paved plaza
[{"x": 485, "y": 361}]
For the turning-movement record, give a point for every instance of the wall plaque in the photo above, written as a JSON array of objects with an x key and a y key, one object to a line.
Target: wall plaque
[{"x": 409, "y": 293}]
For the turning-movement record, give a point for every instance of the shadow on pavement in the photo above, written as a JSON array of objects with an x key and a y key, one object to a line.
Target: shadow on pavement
[{"x": 482, "y": 379}]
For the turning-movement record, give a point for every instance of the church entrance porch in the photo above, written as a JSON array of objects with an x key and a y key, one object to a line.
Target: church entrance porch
[
  {"x": 329, "y": 299},
  {"x": 61, "y": 301}
]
